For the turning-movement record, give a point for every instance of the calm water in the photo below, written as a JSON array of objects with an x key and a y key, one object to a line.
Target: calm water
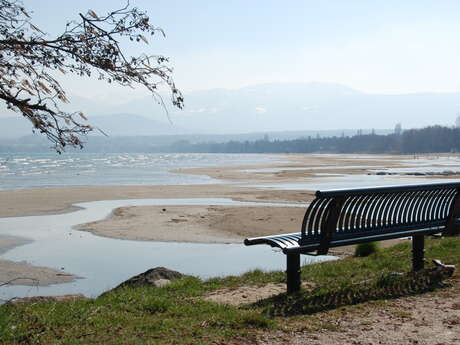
[
  {"x": 104, "y": 262},
  {"x": 20, "y": 171}
]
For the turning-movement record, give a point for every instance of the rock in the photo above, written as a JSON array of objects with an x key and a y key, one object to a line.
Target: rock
[
  {"x": 158, "y": 277},
  {"x": 446, "y": 270},
  {"x": 161, "y": 282},
  {"x": 36, "y": 299}
]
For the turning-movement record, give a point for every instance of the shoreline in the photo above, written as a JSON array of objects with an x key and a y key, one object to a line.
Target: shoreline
[
  {"x": 195, "y": 224},
  {"x": 292, "y": 168},
  {"x": 61, "y": 200},
  {"x": 22, "y": 273}
]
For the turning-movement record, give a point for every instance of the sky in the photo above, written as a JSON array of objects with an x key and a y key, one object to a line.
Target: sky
[{"x": 375, "y": 46}]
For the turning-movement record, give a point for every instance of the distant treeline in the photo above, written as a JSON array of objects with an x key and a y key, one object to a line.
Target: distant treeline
[{"x": 425, "y": 140}]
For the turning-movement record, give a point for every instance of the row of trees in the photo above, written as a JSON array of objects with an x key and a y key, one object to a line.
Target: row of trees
[{"x": 425, "y": 140}]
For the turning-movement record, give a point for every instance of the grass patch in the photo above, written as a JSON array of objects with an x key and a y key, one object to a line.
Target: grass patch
[
  {"x": 366, "y": 249},
  {"x": 177, "y": 313},
  {"x": 169, "y": 315}
]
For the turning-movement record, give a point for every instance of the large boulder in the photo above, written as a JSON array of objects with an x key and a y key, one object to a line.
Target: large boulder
[{"x": 158, "y": 277}]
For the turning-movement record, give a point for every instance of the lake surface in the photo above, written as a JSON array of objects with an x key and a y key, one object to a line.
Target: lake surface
[
  {"x": 20, "y": 171},
  {"x": 106, "y": 262}
]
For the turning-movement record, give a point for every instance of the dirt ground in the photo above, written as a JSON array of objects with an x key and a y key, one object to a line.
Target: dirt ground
[
  {"x": 431, "y": 319},
  {"x": 426, "y": 319}
]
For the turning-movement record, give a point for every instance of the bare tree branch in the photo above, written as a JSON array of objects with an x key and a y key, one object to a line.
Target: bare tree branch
[{"x": 91, "y": 45}]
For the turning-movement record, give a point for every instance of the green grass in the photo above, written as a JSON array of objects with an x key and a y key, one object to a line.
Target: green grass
[
  {"x": 366, "y": 249},
  {"x": 177, "y": 314}
]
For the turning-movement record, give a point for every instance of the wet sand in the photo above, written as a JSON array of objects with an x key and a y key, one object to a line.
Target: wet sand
[
  {"x": 229, "y": 224},
  {"x": 30, "y": 202},
  {"x": 21, "y": 273},
  {"x": 208, "y": 224}
]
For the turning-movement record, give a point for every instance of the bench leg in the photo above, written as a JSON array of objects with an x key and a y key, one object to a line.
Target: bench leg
[
  {"x": 293, "y": 272},
  {"x": 418, "y": 252}
]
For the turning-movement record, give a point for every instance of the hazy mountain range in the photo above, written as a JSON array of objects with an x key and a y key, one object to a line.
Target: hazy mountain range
[{"x": 264, "y": 108}]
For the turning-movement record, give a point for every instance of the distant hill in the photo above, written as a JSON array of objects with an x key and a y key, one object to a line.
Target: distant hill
[
  {"x": 311, "y": 106},
  {"x": 266, "y": 108},
  {"x": 133, "y": 125},
  {"x": 13, "y": 127},
  {"x": 300, "y": 106},
  {"x": 112, "y": 125}
]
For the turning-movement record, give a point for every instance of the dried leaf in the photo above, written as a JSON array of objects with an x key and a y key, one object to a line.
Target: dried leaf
[
  {"x": 43, "y": 87},
  {"x": 35, "y": 122},
  {"x": 82, "y": 116},
  {"x": 144, "y": 39},
  {"x": 25, "y": 83},
  {"x": 93, "y": 14},
  {"x": 62, "y": 97}
]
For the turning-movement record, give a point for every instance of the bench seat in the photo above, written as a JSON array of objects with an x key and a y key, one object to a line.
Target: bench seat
[{"x": 350, "y": 216}]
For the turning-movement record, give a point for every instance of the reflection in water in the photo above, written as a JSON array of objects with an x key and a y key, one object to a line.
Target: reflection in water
[{"x": 105, "y": 262}]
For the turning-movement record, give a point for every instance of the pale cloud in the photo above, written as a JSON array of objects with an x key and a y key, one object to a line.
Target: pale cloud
[
  {"x": 260, "y": 110},
  {"x": 309, "y": 108}
]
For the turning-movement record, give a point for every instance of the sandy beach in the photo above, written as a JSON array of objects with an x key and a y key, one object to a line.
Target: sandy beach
[
  {"x": 205, "y": 224},
  {"x": 212, "y": 224},
  {"x": 21, "y": 273}
]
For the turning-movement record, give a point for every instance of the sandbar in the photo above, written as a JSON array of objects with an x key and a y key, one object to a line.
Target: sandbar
[
  {"x": 21, "y": 273},
  {"x": 210, "y": 224}
]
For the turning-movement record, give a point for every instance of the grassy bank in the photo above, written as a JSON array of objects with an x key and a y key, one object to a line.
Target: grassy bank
[{"x": 178, "y": 314}]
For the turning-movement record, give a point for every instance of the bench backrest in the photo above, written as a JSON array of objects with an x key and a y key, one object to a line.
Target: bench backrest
[{"x": 370, "y": 211}]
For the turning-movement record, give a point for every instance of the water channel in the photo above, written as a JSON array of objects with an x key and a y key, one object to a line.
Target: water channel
[{"x": 105, "y": 262}]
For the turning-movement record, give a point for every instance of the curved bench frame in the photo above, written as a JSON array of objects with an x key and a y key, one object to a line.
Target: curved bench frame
[{"x": 350, "y": 216}]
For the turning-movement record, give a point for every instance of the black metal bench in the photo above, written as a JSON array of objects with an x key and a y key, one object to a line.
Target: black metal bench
[{"x": 349, "y": 216}]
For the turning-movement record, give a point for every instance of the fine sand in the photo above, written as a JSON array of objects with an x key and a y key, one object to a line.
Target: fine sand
[
  {"x": 224, "y": 224},
  {"x": 21, "y": 273}
]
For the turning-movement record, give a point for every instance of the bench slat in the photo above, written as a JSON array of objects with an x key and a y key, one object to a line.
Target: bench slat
[
  {"x": 374, "y": 212},
  {"x": 344, "y": 217}
]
